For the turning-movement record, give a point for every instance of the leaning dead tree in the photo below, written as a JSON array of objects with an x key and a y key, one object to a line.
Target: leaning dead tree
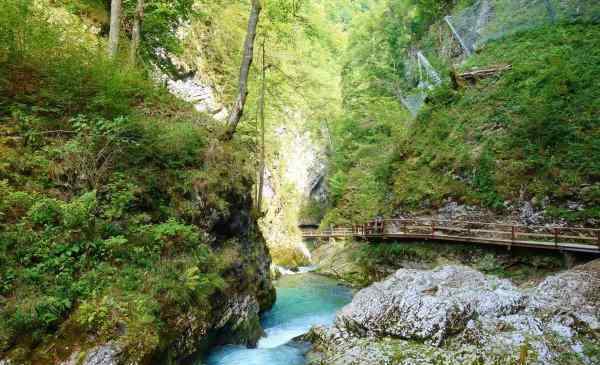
[{"x": 238, "y": 108}]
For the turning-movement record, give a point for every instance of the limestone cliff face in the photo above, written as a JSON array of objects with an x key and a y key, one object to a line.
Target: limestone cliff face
[
  {"x": 296, "y": 173},
  {"x": 189, "y": 80}
]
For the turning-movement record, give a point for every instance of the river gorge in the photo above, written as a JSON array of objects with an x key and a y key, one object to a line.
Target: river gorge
[{"x": 303, "y": 300}]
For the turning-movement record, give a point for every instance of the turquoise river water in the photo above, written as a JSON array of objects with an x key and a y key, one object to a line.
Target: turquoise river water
[{"x": 303, "y": 300}]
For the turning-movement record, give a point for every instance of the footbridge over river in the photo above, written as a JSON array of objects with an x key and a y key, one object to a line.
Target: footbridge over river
[{"x": 565, "y": 239}]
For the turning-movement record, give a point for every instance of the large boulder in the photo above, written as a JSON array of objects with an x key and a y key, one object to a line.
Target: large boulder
[
  {"x": 429, "y": 305},
  {"x": 460, "y": 315}
]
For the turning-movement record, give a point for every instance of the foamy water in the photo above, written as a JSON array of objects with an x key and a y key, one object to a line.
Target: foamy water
[{"x": 303, "y": 300}]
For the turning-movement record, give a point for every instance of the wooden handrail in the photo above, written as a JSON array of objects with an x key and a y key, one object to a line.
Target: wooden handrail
[
  {"x": 483, "y": 232},
  {"x": 490, "y": 224}
]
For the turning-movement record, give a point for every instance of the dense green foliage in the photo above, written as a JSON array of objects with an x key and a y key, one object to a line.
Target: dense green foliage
[
  {"x": 161, "y": 18},
  {"x": 303, "y": 41},
  {"x": 533, "y": 131},
  {"x": 529, "y": 133},
  {"x": 111, "y": 197}
]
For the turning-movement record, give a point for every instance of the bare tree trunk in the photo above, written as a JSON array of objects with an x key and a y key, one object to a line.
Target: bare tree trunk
[
  {"x": 115, "y": 24},
  {"x": 136, "y": 32},
  {"x": 238, "y": 108},
  {"x": 261, "y": 109}
]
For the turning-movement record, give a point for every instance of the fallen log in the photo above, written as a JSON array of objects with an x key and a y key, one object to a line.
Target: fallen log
[{"x": 475, "y": 75}]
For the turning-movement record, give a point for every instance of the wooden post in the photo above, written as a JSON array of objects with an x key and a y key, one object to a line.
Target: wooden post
[
  {"x": 513, "y": 233},
  {"x": 383, "y": 227},
  {"x": 556, "y": 236},
  {"x": 432, "y": 229},
  {"x": 598, "y": 236}
]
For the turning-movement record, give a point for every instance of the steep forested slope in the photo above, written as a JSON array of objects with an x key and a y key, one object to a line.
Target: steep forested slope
[
  {"x": 124, "y": 220},
  {"x": 525, "y": 137},
  {"x": 300, "y": 43}
]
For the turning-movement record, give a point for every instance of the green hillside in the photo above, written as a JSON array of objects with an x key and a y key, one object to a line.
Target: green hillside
[
  {"x": 529, "y": 133},
  {"x": 120, "y": 210}
]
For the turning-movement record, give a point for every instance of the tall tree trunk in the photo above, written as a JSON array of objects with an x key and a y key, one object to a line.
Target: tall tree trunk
[
  {"x": 136, "y": 32},
  {"x": 261, "y": 109},
  {"x": 115, "y": 24},
  {"x": 238, "y": 108}
]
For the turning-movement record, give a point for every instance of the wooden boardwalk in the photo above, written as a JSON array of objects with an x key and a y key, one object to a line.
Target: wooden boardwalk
[{"x": 567, "y": 239}]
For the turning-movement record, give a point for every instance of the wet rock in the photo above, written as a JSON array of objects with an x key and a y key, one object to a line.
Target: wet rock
[
  {"x": 239, "y": 310},
  {"x": 337, "y": 259},
  {"x": 275, "y": 272}
]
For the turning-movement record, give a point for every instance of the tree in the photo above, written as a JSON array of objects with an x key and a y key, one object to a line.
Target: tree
[
  {"x": 136, "y": 32},
  {"x": 115, "y": 24},
  {"x": 261, "y": 111},
  {"x": 238, "y": 108}
]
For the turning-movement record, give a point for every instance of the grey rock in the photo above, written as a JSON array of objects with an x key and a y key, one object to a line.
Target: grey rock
[
  {"x": 575, "y": 206},
  {"x": 239, "y": 310},
  {"x": 453, "y": 210},
  {"x": 528, "y": 215},
  {"x": 457, "y": 315},
  {"x": 103, "y": 355},
  {"x": 428, "y": 305}
]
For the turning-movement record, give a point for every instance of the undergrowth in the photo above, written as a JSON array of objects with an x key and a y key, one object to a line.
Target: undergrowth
[{"x": 110, "y": 194}]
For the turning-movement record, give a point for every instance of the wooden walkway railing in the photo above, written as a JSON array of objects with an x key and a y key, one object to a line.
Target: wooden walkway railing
[{"x": 543, "y": 237}]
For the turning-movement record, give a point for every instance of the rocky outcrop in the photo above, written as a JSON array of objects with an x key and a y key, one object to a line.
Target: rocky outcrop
[
  {"x": 201, "y": 95},
  {"x": 336, "y": 259},
  {"x": 102, "y": 355},
  {"x": 458, "y": 315},
  {"x": 241, "y": 318},
  {"x": 294, "y": 177}
]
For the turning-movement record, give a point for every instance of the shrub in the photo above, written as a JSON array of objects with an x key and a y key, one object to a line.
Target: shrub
[
  {"x": 99, "y": 315},
  {"x": 173, "y": 230},
  {"x": 14, "y": 204},
  {"x": 45, "y": 212},
  {"x": 81, "y": 212},
  {"x": 121, "y": 195}
]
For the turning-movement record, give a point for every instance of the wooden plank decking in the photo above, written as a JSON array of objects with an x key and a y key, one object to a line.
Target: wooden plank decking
[{"x": 569, "y": 239}]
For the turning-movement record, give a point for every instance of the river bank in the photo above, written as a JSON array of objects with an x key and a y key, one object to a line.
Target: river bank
[
  {"x": 457, "y": 315},
  {"x": 360, "y": 264}
]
